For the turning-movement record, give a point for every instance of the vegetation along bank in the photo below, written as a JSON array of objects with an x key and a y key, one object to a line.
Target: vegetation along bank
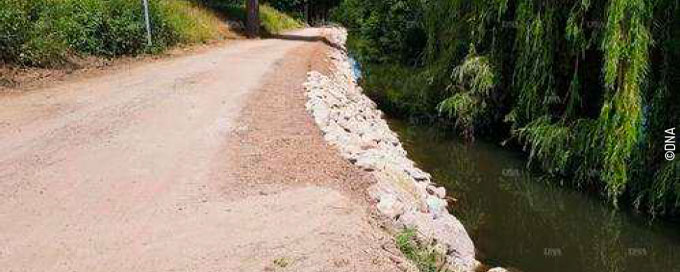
[
  {"x": 587, "y": 88},
  {"x": 403, "y": 193}
]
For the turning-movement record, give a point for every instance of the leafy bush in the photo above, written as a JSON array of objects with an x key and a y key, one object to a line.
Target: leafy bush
[
  {"x": 314, "y": 11},
  {"x": 44, "y": 32},
  {"x": 389, "y": 31},
  {"x": 396, "y": 89},
  {"x": 24, "y": 38}
]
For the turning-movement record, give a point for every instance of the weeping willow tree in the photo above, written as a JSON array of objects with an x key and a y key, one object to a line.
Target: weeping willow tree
[
  {"x": 586, "y": 87},
  {"x": 625, "y": 45},
  {"x": 474, "y": 79},
  {"x": 657, "y": 186}
]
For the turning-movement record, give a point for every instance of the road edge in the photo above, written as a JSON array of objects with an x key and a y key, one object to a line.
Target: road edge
[{"x": 404, "y": 194}]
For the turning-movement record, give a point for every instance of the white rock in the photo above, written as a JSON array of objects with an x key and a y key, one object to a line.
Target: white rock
[
  {"x": 435, "y": 205},
  {"x": 351, "y": 121},
  {"x": 390, "y": 206},
  {"x": 450, "y": 232},
  {"x": 437, "y": 191},
  {"x": 422, "y": 189},
  {"x": 417, "y": 174}
]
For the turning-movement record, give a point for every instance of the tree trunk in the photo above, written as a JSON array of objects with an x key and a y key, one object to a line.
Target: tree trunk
[{"x": 253, "y": 19}]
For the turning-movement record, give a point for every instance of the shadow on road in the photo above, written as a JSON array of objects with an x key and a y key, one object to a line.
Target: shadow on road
[{"x": 291, "y": 37}]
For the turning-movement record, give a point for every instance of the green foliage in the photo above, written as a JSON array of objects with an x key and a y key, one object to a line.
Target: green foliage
[
  {"x": 44, "y": 32},
  {"x": 274, "y": 21},
  {"x": 665, "y": 191},
  {"x": 315, "y": 11},
  {"x": 391, "y": 31},
  {"x": 658, "y": 184},
  {"x": 192, "y": 23},
  {"x": 626, "y": 45},
  {"x": 473, "y": 81},
  {"x": 584, "y": 86},
  {"x": 534, "y": 78},
  {"x": 549, "y": 142},
  {"x": 563, "y": 149},
  {"x": 23, "y": 36},
  {"x": 400, "y": 90},
  {"x": 295, "y": 6},
  {"x": 423, "y": 256}
]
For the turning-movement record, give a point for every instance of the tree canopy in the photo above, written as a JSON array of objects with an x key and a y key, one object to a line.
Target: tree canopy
[{"x": 585, "y": 87}]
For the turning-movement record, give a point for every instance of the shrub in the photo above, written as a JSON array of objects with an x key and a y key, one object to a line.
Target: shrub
[
  {"x": 423, "y": 256},
  {"x": 44, "y": 32}
]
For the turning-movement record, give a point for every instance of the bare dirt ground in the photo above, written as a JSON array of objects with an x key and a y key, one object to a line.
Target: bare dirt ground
[{"x": 205, "y": 162}]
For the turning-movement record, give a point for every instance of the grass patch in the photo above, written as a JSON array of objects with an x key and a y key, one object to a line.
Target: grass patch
[
  {"x": 49, "y": 33},
  {"x": 45, "y": 33},
  {"x": 274, "y": 21},
  {"x": 193, "y": 24},
  {"x": 423, "y": 256}
]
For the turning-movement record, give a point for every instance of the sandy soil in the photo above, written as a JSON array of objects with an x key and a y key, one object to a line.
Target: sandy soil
[{"x": 200, "y": 163}]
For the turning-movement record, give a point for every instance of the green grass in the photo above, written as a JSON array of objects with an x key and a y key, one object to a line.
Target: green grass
[
  {"x": 274, "y": 21},
  {"x": 193, "y": 24},
  {"x": 424, "y": 257},
  {"x": 45, "y": 33}
]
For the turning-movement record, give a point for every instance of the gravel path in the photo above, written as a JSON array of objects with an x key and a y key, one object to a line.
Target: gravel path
[{"x": 189, "y": 164}]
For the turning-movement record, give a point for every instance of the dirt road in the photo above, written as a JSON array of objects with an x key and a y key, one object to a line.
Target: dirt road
[{"x": 147, "y": 169}]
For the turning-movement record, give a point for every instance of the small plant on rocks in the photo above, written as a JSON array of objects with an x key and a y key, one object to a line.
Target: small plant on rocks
[{"x": 423, "y": 256}]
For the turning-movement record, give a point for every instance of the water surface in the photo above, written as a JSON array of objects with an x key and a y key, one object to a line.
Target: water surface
[{"x": 519, "y": 220}]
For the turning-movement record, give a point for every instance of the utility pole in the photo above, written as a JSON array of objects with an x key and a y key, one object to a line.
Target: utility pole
[
  {"x": 307, "y": 12},
  {"x": 148, "y": 23},
  {"x": 253, "y": 18}
]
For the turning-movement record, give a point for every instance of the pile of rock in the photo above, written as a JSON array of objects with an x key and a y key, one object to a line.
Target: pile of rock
[{"x": 405, "y": 194}]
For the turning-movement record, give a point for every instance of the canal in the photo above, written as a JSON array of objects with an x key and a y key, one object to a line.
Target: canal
[{"x": 520, "y": 220}]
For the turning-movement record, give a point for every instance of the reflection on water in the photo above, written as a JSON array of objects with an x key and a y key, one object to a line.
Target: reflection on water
[{"x": 519, "y": 220}]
